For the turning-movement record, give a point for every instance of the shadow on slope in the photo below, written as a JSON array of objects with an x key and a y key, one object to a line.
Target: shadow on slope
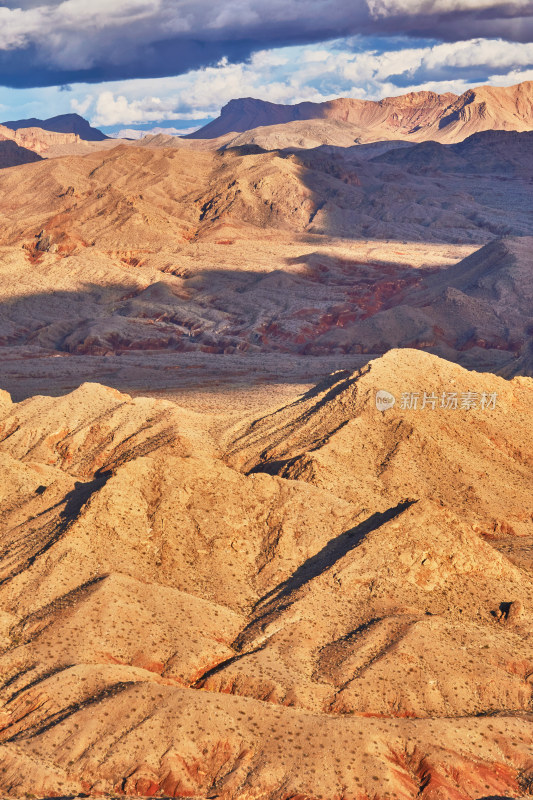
[
  {"x": 476, "y": 313},
  {"x": 334, "y": 550},
  {"x": 13, "y": 155},
  {"x": 50, "y": 527},
  {"x": 425, "y": 192}
]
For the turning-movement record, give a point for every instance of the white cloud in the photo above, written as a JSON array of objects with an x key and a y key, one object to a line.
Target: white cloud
[
  {"x": 93, "y": 13},
  {"x": 268, "y": 58},
  {"x": 284, "y": 75},
  {"x": 511, "y": 78},
  {"x": 239, "y": 15},
  {"x": 118, "y": 110},
  {"x": 81, "y": 107},
  {"x": 458, "y": 87},
  {"x": 480, "y": 52},
  {"x": 316, "y": 55},
  {"x": 292, "y": 75},
  {"x": 18, "y": 26},
  {"x": 138, "y": 37}
]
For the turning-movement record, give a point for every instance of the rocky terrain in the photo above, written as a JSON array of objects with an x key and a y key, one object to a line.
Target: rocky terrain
[
  {"x": 376, "y": 126},
  {"x": 482, "y": 305},
  {"x": 383, "y": 125},
  {"x": 246, "y": 252},
  {"x": 416, "y": 117},
  {"x": 26, "y": 141},
  {"x": 354, "y": 620},
  {"x": 267, "y": 455}
]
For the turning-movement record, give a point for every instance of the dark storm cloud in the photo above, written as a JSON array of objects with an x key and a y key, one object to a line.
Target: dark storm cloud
[{"x": 51, "y": 43}]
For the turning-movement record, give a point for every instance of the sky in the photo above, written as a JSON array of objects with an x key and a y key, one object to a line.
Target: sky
[{"x": 136, "y": 65}]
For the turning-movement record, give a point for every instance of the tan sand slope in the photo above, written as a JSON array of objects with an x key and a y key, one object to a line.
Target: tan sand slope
[{"x": 322, "y": 600}]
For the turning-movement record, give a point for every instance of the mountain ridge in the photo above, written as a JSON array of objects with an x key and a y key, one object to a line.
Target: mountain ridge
[
  {"x": 415, "y": 116},
  {"x": 62, "y": 123}
]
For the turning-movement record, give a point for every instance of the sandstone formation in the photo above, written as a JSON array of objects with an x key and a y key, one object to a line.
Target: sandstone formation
[{"x": 45, "y": 143}]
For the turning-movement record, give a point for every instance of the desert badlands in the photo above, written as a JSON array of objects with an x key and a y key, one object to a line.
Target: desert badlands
[{"x": 227, "y": 569}]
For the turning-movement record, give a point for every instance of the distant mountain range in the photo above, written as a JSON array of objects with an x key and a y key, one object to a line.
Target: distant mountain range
[
  {"x": 414, "y": 117},
  {"x": 64, "y": 123},
  {"x": 417, "y": 117}
]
